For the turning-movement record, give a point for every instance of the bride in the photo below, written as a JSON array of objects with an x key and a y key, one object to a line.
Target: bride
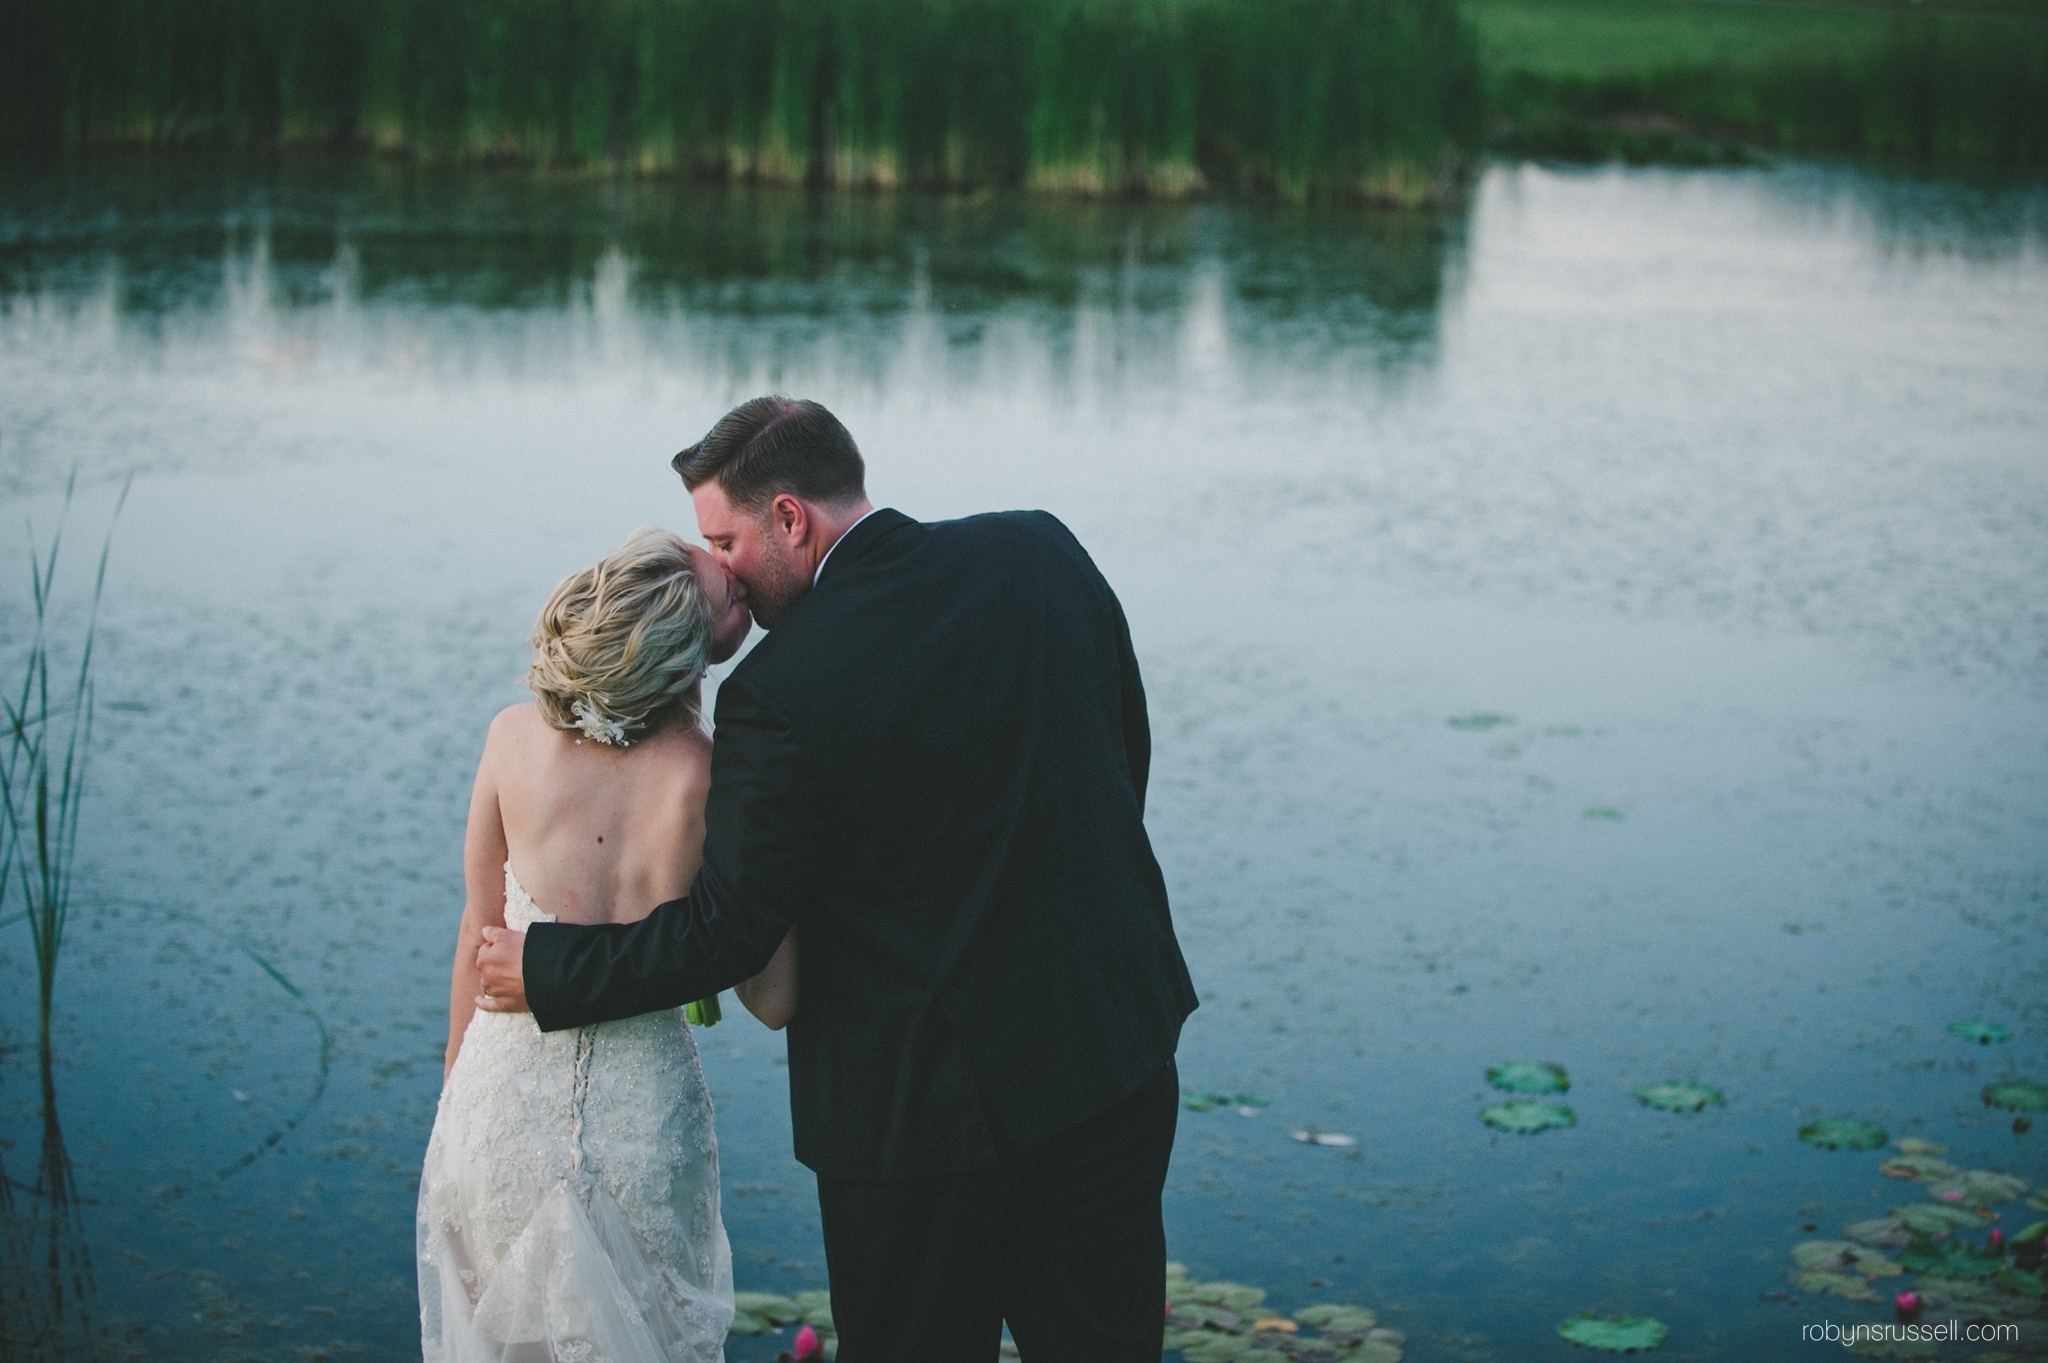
[{"x": 568, "y": 1210}]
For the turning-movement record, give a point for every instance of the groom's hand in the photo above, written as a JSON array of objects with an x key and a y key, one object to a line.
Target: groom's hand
[{"x": 500, "y": 961}]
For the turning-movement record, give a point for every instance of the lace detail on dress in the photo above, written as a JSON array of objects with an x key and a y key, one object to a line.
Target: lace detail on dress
[{"x": 569, "y": 1207}]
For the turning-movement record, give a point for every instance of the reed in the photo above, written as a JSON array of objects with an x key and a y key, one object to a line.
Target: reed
[
  {"x": 1100, "y": 97},
  {"x": 42, "y": 777},
  {"x": 1642, "y": 78}
]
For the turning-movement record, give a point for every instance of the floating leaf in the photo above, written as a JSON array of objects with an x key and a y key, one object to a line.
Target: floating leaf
[
  {"x": 1526, "y": 1116},
  {"x": 1614, "y": 1334},
  {"x": 2017, "y": 1095},
  {"x": 1822, "y": 1253},
  {"x": 1679, "y": 1097},
  {"x": 1235, "y": 1296},
  {"x": 1314, "y": 1137},
  {"x": 1279, "y": 1323},
  {"x": 744, "y": 1323},
  {"x": 1917, "y": 1167},
  {"x": 1529, "y": 1076},
  {"x": 1979, "y": 1187},
  {"x": 1884, "y": 1232},
  {"x": 816, "y": 1305},
  {"x": 1215, "y": 1348},
  {"x": 1333, "y": 1319},
  {"x": 1603, "y": 812},
  {"x": 2025, "y": 1284},
  {"x": 1369, "y": 1351},
  {"x": 1481, "y": 721},
  {"x": 1950, "y": 1258},
  {"x": 1202, "y": 1315},
  {"x": 2039, "y": 1201},
  {"x": 1936, "y": 1218},
  {"x": 769, "y": 1307},
  {"x": 1839, "y": 1284},
  {"x": 1174, "y": 1270},
  {"x": 1844, "y": 1133},
  {"x": 1983, "y": 1033},
  {"x": 1913, "y": 1145},
  {"x": 1842, "y": 1255}
]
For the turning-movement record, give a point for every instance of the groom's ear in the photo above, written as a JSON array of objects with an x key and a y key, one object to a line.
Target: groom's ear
[{"x": 789, "y": 517}]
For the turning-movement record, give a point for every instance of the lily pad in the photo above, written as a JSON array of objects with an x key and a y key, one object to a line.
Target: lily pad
[
  {"x": 1883, "y": 1232},
  {"x": 769, "y": 1307},
  {"x": 1333, "y": 1319},
  {"x": 1953, "y": 1258},
  {"x": 1202, "y": 1315},
  {"x": 2039, "y": 1201},
  {"x": 744, "y": 1323},
  {"x": 1837, "y": 1284},
  {"x": 1844, "y": 1256},
  {"x": 1913, "y": 1145},
  {"x": 1983, "y": 1033},
  {"x": 1235, "y": 1296},
  {"x": 816, "y": 1305},
  {"x": 1844, "y": 1133},
  {"x": 1526, "y": 1116},
  {"x": 1481, "y": 722},
  {"x": 1917, "y": 1167},
  {"x": 1978, "y": 1187},
  {"x": 1208, "y": 1102},
  {"x": 1676, "y": 1096},
  {"x": 1936, "y": 1218},
  {"x": 1529, "y": 1076},
  {"x": 1215, "y": 1348},
  {"x": 1614, "y": 1334},
  {"x": 2024, "y": 1284},
  {"x": 1604, "y": 812},
  {"x": 1311, "y": 1136},
  {"x": 1370, "y": 1351},
  {"x": 2017, "y": 1095}
]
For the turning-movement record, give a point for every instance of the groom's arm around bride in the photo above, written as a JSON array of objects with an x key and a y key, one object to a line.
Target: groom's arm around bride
[{"x": 936, "y": 763}]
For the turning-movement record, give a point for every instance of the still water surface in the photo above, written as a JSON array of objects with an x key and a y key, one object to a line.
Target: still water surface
[{"x": 1728, "y": 490}]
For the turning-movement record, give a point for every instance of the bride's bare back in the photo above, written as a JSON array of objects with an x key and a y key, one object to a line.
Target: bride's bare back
[{"x": 597, "y": 834}]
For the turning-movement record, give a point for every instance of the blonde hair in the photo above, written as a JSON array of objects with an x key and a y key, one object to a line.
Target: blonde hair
[{"x": 620, "y": 647}]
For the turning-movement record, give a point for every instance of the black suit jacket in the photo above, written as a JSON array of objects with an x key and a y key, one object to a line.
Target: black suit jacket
[{"x": 935, "y": 765}]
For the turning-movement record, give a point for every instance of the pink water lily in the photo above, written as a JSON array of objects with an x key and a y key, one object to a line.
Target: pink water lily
[
  {"x": 1908, "y": 1304},
  {"x": 808, "y": 1349},
  {"x": 1953, "y": 1196}
]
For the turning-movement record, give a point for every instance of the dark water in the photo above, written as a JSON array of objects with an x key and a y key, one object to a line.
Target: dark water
[{"x": 1729, "y": 489}]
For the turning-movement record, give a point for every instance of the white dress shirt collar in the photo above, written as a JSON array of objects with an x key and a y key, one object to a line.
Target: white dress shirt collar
[{"x": 835, "y": 544}]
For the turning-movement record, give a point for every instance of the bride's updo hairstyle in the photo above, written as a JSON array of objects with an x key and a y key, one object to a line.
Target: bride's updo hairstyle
[{"x": 620, "y": 647}]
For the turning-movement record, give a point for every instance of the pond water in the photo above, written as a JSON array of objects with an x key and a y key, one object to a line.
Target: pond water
[{"x": 1725, "y": 492}]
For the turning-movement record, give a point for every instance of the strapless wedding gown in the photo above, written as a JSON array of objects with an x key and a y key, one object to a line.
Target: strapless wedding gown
[{"x": 568, "y": 1209}]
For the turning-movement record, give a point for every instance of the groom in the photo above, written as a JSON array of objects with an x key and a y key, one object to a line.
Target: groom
[{"x": 934, "y": 764}]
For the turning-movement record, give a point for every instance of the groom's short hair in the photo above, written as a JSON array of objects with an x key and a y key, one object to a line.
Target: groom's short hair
[{"x": 773, "y": 445}]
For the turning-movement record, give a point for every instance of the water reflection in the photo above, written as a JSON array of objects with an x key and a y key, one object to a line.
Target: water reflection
[
  {"x": 386, "y": 271},
  {"x": 48, "y": 1301}
]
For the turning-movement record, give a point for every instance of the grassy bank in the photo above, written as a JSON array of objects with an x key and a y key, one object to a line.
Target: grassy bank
[
  {"x": 1701, "y": 80},
  {"x": 1374, "y": 99}
]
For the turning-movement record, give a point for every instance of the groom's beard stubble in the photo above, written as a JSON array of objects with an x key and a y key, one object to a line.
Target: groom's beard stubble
[{"x": 776, "y": 587}]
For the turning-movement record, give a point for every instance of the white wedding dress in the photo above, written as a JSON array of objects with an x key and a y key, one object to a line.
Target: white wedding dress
[{"x": 568, "y": 1209}]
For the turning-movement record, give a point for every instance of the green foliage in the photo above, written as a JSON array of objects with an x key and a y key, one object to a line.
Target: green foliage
[
  {"x": 1526, "y": 1116},
  {"x": 1983, "y": 1033},
  {"x": 1844, "y": 1133},
  {"x": 1951, "y": 1258},
  {"x": 2017, "y": 1095},
  {"x": 1680, "y": 1097},
  {"x": 1374, "y": 99},
  {"x": 1693, "y": 81},
  {"x": 1529, "y": 1076},
  {"x": 1614, "y": 1334}
]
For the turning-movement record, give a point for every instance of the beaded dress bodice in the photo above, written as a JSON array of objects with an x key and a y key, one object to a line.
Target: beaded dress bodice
[{"x": 569, "y": 1206}]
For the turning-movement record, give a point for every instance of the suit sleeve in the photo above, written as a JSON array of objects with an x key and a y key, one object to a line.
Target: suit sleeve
[
  {"x": 1137, "y": 727},
  {"x": 762, "y": 840}
]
